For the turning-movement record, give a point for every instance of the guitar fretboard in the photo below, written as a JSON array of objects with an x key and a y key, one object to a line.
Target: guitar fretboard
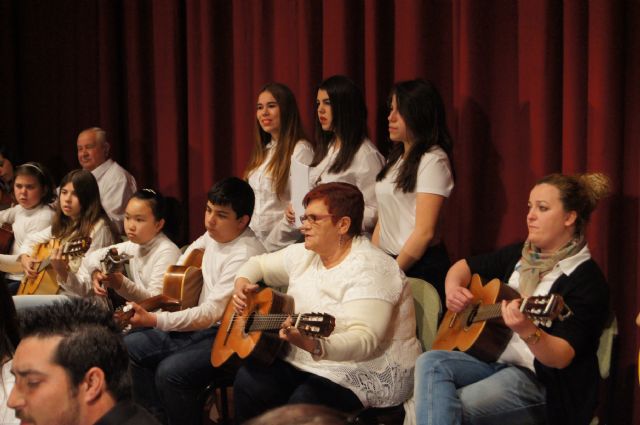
[{"x": 265, "y": 322}]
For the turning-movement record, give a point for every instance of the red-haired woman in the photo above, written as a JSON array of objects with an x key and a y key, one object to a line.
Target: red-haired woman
[{"x": 339, "y": 272}]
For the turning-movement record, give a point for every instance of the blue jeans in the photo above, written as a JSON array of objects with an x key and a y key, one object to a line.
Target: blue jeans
[
  {"x": 170, "y": 370},
  {"x": 452, "y": 387}
]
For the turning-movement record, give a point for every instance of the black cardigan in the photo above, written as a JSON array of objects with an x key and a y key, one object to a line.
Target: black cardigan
[{"x": 572, "y": 392}]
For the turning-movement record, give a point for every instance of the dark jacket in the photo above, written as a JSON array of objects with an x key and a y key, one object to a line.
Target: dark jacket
[{"x": 571, "y": 392}]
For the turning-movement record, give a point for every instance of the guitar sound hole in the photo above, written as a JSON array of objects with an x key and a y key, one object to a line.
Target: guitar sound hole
[
  {"x": 249, "y": 323},
  {"x": 472, "y": 315}
]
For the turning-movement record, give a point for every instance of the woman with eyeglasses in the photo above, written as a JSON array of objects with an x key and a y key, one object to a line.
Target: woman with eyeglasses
[
  {"x": 415, "y": 182},
  {"x": 343, "y": 151},
  {"x": 279, "y": 140},
  {"x": 368, "y": 360}
]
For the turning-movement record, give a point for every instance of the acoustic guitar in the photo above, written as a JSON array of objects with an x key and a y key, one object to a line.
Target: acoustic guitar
[
  {"x": 184, "y": 282},
  {"x": 479, "y": 329},
  {"x": 45, "y": 281},
  {"x": 6, "y": 238},
  {"x": 181, "y": 289},
  {"x": 248, "y": 334}
]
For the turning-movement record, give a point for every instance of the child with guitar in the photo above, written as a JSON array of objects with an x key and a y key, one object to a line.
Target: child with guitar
[
  {"x": 34, "y": 190},
  {"x": 150, "y": 251},
  {"x": 544, "y": 375},
  {"x": 171, "y": 362},
  {"x": 78, "y": 214}
]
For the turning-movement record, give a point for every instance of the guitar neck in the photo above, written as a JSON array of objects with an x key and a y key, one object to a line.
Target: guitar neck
[{"x": 269, "y": 322}]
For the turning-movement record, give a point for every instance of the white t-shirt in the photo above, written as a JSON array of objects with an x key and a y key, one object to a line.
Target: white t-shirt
[
  {"x": 25, "y": 223},
  {"x": 269, "y": 209},
  {"x": 397, "y": 210},
  {"x": 220, "y": 264},
  {"x": 362, "y": 173}
]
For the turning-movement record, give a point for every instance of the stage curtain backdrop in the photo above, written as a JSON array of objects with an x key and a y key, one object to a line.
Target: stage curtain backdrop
[{"x": 531, "y": 87}]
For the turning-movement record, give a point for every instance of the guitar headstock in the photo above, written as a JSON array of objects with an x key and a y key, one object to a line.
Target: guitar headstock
[
  {"x": 76, "y": 247},
  {"x": 113, "y": 261},
  {"x": 543, "y": 310},
  {"x": 316, "y": 324}
]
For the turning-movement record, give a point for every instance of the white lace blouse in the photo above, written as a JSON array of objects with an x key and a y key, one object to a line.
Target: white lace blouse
[{"x": 375, "y": 362}]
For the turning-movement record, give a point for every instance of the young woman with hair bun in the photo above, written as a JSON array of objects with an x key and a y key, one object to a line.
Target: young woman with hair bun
[{"x": 548, "y": 373}]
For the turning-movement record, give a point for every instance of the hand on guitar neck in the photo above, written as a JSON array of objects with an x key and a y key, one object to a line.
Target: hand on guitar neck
[
  {"x": 101, "y": 282},
  {"x": 134, "y": 315},
  {"x": 288, "y": 331},
  {"x": 110, "y": 275},
  {"x": 58, "y": 257}
]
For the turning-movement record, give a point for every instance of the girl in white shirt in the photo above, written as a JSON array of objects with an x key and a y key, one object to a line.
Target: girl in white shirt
[
  {"x": 343, "y": 152},
  {"x": 413, "y": 185},
  {"x": 79, "y": 213},
  {"x": 151, "y": 250},
  {"x": 279, "y": 140},
  {"x": 34, "y": 190}
]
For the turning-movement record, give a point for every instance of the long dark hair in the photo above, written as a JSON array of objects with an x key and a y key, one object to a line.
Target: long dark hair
[
  {"x": 9, "y": 333},
  {"x": 291, "y": 132},
  {"x": 91, "y": 210},
  {"x": 349, "y": 122},
  {"x": 422, "y": 110},
  {"x": 44, "y": 177}
]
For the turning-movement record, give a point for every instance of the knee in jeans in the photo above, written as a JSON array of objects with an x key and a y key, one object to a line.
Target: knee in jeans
[{"x": 428, "y": 360}]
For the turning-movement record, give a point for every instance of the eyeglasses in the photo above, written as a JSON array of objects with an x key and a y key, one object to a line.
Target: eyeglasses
[{"x": 313, "y": 218}]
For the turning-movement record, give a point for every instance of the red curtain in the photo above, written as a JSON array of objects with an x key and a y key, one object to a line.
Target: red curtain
[{"x": 531, "y": 87}]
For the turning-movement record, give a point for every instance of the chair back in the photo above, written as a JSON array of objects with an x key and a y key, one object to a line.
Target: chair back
[{"x": 428, "y": 310}]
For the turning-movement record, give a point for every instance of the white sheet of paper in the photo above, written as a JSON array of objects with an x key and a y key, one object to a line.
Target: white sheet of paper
[{"x": 299, "y": 174}]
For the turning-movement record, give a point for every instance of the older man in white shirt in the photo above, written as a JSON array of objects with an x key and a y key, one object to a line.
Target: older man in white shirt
[{"x": 115, "y": 183}]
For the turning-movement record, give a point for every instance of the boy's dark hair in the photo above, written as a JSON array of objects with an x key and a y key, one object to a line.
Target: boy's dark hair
[
  {"x": 233, "y": 192},
  {"x": 90, "y": 338}
]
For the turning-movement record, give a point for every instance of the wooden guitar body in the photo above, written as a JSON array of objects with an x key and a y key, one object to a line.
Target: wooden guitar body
[
  {"x": 234, "y": 335},
  {"x": 484, "y": 339},
  {"x": 45, "y": 282},
  {"x": 184, "y": 282}
]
